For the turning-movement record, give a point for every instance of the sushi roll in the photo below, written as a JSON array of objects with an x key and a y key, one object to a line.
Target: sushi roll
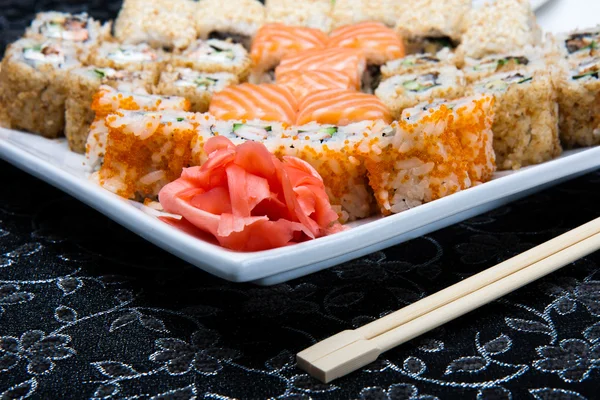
[
  {"x": 138, "y": 57},
  {"x": 82, "y": 84},
  {"x": 81, "y": 30},
  {"x": 215, "y": 55},
  {"x": 404, "y": 91},
  {"x": 416, "y": 63},
  {"x": 430, "y": 25},
  {"x": 579, "y": 105},
  {"x": 346, "y": 12},
  {"x": 309, "y": 13},
  {"x": 341, "y": 107},
  {"x": 108, "y": 100},
  {"x": 378, "y": 42},
  {"x": 499, "y": 27},
  {"x": 531, "y": 58},
  {"x": 145, "y": 151},
  {"x": 330, "y": 126},
  {"x": 350, "y": 61},
  {"x": 270, "y": 133},
  {"x": 32, "y": 85},
  {"x": 161, "y": 23},
  {"x": 268, "y": 102},
  {"x": 579, "y": 44},
  {"x": 526, "y": 116},
  {"x": 197, "y": 87},
  {"x": 274, "y": 41},
  {"x": 235, "y": 20},
  {"x": 438, "y": 148},
  {"x": 303, "y": 83}
]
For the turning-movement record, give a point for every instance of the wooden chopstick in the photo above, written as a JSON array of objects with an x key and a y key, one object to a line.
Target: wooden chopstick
[{"x": 352, "y": 349}]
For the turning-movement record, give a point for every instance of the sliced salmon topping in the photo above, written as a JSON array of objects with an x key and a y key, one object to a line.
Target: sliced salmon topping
[
  {"x": 301, "y": 83},
  {"x": 274, "y": 41},
  {"x": 341, "y": 107},
  {"x": 268, "y": 102},
  {"x": 349, "y": 61},
  {"x": 378, "y": 42}
]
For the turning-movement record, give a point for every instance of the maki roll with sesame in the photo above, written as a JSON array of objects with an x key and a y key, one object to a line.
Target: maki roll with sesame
[
  {"x": 108, "y": 100},
  {"x": 580, "y": 43},
  {"x": 82, "y": 84},
  {"x": 499, "y": 27},
  {"x": 32, "y": 85},
  {"x": 234, "y": 20},
  {"x": 145, "y": 150},
  {"x": 430, "y": 25},
  {"x": 197, "y": 87},
  {"x": 81, "y": 30},
  {"x": 308, "y": 13},
  {"x": 215, "y": 55},
  {"x": 530, "y": 58},
  {"x": 415, "y": 63},
  {"x": 526, "y": 116},
  {"x": 161, "y": 23},
  {"x": 404, "y": 91},
  {"x": 346, "y": 12},
  {"x": 438, "y": 148},
  {"x": 579, "y": 103},
  {"x": 138, "y": 57}
]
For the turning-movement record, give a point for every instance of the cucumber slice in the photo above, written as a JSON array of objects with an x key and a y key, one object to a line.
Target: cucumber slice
[
  {"x": 590, "y": 73},
  {"x": 496, "y": 85},
  {"x": 237, "y": 126},
  {"x": 205, "y": 81},
  {"x": 332, "y": 130},
  {"x": 412, "y": 86}
]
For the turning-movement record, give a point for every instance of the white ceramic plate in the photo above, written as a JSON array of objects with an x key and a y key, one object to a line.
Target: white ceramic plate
[
  {"x": 51, "y": 161},
  {"x": 535, "y": 4}
]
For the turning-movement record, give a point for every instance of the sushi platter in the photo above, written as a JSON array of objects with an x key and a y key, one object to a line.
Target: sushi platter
[{"x": 263, "y": 142}]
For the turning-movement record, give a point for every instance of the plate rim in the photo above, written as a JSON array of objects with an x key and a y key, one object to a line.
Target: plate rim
[{"x": 253, "y": 266}]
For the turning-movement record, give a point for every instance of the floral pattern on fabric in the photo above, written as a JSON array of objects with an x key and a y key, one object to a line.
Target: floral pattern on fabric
[{"x": 88, "y": 310}]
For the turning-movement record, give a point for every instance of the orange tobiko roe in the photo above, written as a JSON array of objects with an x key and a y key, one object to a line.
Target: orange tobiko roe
[{"x": 249, "y": 200}]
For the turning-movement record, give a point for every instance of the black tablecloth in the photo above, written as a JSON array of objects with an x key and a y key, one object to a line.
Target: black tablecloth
[{"x": 89, "y": 310}]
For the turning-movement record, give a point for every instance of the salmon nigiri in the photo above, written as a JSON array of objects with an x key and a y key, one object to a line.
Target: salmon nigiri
[
  {"x": 341, "y": 107},
  {"x": 274, "y": 41},
  {"x": 350, "y": 61},
  {"x": 379, "y": 43},
  {"x": 301, "y": 83},
  {"x": 267, "y": 102}
]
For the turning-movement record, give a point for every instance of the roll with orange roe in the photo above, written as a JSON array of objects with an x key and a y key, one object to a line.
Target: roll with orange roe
[
  {"x": 439, "y": 148},
  {"x": 330, "y": 127}
]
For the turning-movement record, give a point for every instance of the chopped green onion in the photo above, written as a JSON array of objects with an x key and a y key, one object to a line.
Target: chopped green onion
[
  {"x": 180, "y": 119},
  {"x": 525, "y": 80},
  {"x": 100, "y": 73}
]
